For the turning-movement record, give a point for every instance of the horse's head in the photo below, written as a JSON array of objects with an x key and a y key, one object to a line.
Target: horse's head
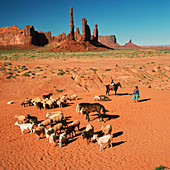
[{"x": 119, "y": 84}]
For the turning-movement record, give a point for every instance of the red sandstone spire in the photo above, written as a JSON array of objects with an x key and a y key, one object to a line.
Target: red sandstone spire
[
  {"x": 71, "y": 24},
  {"x": 95, "y": 33}
]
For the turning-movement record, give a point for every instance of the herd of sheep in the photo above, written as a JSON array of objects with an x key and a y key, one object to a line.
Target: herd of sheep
[{"x": 55, "y": 126}]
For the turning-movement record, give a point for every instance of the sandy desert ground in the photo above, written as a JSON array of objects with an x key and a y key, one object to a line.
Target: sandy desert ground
[{"x": 141, "y": 130}]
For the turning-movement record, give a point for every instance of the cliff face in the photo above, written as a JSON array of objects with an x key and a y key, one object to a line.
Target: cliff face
[
  {"x": 109, "y": 41},
  {"x": 14, "y": 36}
]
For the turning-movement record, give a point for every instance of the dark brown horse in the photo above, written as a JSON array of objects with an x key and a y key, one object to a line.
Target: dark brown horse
[{"x": 114, "y": 87}]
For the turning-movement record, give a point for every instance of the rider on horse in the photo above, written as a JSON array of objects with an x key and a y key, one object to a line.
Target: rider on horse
[{"x": 111, "y": 84}]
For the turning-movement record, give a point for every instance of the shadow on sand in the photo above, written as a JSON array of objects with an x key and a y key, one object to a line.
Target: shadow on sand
[{"x": 144, "y": 100}]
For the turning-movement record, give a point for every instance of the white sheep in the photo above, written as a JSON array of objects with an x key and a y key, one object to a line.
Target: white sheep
[
  {"x": 96, "y": 98},
  {"x": 52, "y": 139},
  {"x": 103, "y": 140},
  {"x": 76, "y": 123},
  {"x": 25, "y": 126},
  {"x": 89, "y": 127},
  {"x": 106, "y": 130},
  {"x": 54, "y": 113},
  {"x": 21, "y": 118},
  {"x": 45, "y": 123},
  {"x": 62, "y": 139},
  {"x": 73, "y": 97}
]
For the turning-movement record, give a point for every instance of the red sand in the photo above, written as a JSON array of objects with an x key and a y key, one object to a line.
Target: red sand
[{"x": 141, "y": 130}]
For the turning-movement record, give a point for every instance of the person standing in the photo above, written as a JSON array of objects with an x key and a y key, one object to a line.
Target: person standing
[{"x": 136, "y": 94}]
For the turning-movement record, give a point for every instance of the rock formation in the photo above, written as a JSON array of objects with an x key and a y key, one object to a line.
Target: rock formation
[
  {"x": 109, "y": 41},
  {"x": 86, "y": 36},
  {"x": 77, "y": 35},
  {"x": 130, "y": 45},
  {"x": 15, "y": 37},
  {"x": 94, "y": 38},
  {"x": 71, "y": 34}
]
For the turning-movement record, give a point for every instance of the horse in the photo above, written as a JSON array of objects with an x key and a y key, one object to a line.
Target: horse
[
  {"x": 114, "y": 87},
  {"x": 91, "y": 107}
]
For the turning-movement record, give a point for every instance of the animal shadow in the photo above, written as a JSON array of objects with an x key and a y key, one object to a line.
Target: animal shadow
[
  {"x": 70, "y": 141},
  {"x": 109, "y": 117},
  {"x": 117, "y": 134},
  {"x": 123, "y": 94},
  {"x": 143, "y": 100},
  {"x": 118, "y": 143}
]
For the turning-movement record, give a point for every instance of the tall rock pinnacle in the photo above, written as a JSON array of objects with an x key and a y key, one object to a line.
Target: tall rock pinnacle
[{"x": 71, "y": 24}]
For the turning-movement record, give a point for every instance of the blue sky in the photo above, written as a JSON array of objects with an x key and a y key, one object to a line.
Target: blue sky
[{"x": 146, "y": 22}]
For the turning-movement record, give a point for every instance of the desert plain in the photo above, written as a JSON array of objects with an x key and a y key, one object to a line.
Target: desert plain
[{"x": 141, "y": 130}]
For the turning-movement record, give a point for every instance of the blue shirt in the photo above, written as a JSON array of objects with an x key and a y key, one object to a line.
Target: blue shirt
[{"x": 136, "y": 91}]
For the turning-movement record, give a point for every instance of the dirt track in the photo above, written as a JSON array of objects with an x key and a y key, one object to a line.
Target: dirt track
[{"x": 140, "y": 130}]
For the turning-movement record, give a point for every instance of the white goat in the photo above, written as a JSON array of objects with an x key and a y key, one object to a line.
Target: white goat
[
  {"x": 25, "y": 126},
  {"x": 103, "y": 140},
  {"x": 62, "y": 139}
]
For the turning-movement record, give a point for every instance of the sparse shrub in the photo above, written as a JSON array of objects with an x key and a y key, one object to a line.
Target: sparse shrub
[
  {"x": 26, "y": 74},
  {"x": 44, "y": 76},
  {"x": 79, "y": 84},
  {"x": 61, "y": 72},
  {"x": 107, "y": 69},
  {"x": 153, "y": 71},
  {"x": 94, "y": 69},
  {"x": 59, "y": 90},
  {"x": 161, "y": 167}
]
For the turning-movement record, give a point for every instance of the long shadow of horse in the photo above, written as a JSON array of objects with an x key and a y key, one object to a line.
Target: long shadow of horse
[
  {"x": 123, "y": 94},
  {"x": 144, "y": 100},
  {"x": 109, "y": 117}
]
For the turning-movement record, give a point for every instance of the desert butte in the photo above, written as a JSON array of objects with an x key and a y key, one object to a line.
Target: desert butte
[{"x": 141, "y": 130}]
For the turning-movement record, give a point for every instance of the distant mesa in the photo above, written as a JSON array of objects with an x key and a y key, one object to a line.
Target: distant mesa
[
  {"x": 109, "y": 41},
  {"x": 14, "y": 37}
]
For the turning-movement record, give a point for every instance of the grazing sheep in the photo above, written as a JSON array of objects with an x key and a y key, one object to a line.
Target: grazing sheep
[
  {"x": 40, "y": 131},
  {"x": 104, "y": 98},
  {"x": 25, "y": 126},
  {"x": 62, "y": 139},
  {"x": 45, "y": 123},
  {"x": 58, "y": 126},
  {"x": 10, "y": 102},
  {"x": 87, "y": 135},
  {"x": 38, "y": 105},
  {"x": 47, "y": 96},
  {"x": 96, "y": 98},
  {"x": 70, "y": 129},
  {"x": 76, "y": 123},
  {"x": 103, "y": 140},
  {"x": 27, "y": 102},
  {"x": 57, "y": 118},
  {"x": 73, "y": 97},
  {"x": 59, "y": 103},
  {"x": 52, "y": 139},
  {"x": 48, "y": 132},
  {"x": 54, "y": 113},
  {"x": 21, "y": 118},
  {"x": 106, "y": 130},
  {"x": 31, "y": 119},
  {"x": 89, "y": 127}
]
